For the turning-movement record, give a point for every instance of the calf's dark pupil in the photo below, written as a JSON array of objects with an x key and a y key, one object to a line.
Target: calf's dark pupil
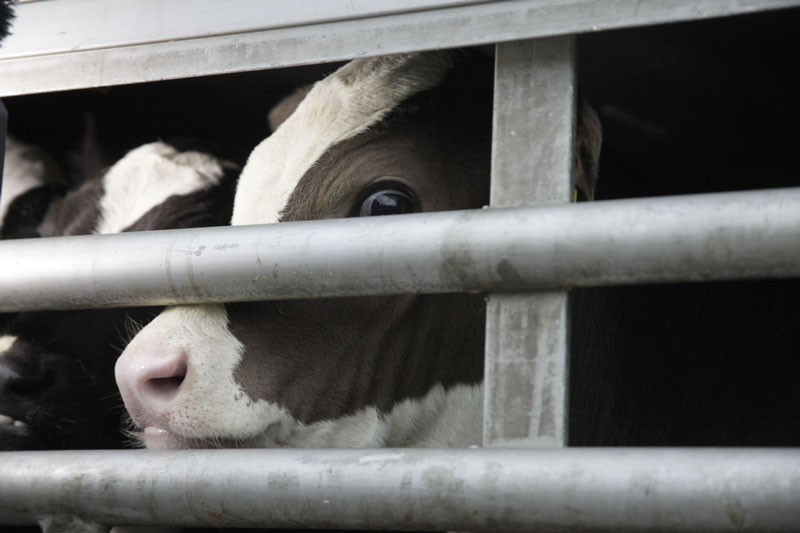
[{"x": 387, "y": 202}]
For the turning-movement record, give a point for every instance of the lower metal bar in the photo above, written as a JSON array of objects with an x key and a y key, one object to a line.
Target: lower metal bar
[
  {"x": 551, "y": 489},
  {"x": 719, "y": 236}
]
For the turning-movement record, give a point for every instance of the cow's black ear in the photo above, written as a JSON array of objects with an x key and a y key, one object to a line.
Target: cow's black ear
[
  {"x": 588, "y": 142},
  {"x": 286, "y": 107}
]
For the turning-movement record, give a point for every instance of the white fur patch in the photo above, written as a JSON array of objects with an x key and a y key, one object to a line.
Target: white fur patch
[
  {"x": 441, "y": 419},
  {"x": 147, "y": 176},
  {"x": 344, "y": 104},
  {"x": 25, "y": 169},
  {"x": 6, "y": 342},
  {"x": 210, "y": 403}
]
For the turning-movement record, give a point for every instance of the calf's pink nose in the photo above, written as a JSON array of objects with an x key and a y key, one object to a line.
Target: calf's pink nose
[{"x": 149, "y": 380}]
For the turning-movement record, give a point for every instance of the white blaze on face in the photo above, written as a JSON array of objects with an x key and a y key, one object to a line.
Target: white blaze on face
[
  {"x": 210, "y": 403},
  {"x": 147, "y": 176},
  {"x": 25, "y": 169},
  {"x": 341, "y": 106}
]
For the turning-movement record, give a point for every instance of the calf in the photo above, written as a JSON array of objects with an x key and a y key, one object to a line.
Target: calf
[
  {"x": 390, "y": 135},
  {"x": 708, "y": 364},
  {"x": 56, "y": 367}
]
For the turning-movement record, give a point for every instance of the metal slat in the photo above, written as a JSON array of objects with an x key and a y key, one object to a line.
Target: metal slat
[
  {"x": 526, "y": 334},
  {"x": 699, "y": 238},
  {"x": 335, "y": 41},
  {"x": 79, "y": 25},
  {"x": 555, "y": 489}
]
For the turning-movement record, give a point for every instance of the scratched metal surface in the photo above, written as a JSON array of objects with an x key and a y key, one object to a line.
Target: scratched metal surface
[
  {"x": 300, "y": 44},
  {"x": 691, "y": 238},
  {"x": 496, "y": 489},
  {"x": 532, "y": 154}
]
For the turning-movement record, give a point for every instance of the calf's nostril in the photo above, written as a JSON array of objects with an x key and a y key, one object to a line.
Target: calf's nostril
[
  {"x": 165, "y": 381},
  {"x": 150, "y": 377},
  {"x": 164, "y": 387}
]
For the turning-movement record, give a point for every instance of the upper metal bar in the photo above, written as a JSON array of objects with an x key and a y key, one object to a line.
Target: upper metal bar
[
  {"x": 45, "y": 28},
  {"x": 679, "y": 238},
  {"x": 463, "y": 25},
  {"x": 556, "y": 489},
  {"x": 532, "y": 154}
]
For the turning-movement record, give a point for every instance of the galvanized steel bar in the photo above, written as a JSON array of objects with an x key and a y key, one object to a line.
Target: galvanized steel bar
[
  {"x": 679, "y": 238},
  {"x": 532, "y": 154},
  {"x": 555, "y": 489},
  {"x": 81, "y": 25},
  {"x": 464, "y": 25}
]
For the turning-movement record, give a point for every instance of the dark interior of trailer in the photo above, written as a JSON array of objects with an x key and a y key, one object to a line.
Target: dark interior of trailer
[{"x": 686, "y": 108}]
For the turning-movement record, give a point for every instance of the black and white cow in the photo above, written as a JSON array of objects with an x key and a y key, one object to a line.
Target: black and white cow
[{"x": 56, "y": 367}]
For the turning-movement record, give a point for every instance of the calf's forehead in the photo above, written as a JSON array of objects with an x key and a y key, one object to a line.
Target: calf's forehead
[{"x": 343, "y": 105}]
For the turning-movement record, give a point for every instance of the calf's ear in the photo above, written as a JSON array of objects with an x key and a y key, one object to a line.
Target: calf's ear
[
  {"x": 286, "y": 107},
  {"x": 588, "y": 142}
]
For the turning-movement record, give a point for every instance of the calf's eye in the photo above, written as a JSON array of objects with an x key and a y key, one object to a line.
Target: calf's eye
[{"x": 387, "y": 198}]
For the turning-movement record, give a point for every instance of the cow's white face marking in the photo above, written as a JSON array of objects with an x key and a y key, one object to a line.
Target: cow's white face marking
[
  {"x": 147, "y": 176},
  {"x": 337, "y": 108},
  {"x": 210, "y": 405},
  {"x": 6, "y": 342},
  {"x": 25, "y": 169}
]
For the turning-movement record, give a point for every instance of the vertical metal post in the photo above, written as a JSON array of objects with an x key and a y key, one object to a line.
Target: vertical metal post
[{"x": 532, "y": 164}]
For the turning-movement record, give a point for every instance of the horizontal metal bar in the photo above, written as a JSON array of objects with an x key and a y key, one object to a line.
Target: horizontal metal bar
[
  {"x": 462, "y": 25},
  {"x": 78, "y": 25},
  {"x": 680, "y": 238},
  {"x": 497, "y": 489}
]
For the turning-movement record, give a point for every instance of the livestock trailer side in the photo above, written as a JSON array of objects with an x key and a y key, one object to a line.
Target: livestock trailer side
[{"x": 525, "y": 477}]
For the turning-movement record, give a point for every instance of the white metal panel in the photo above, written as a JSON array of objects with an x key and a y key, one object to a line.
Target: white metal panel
[
  {"x": 463, "y": 25},
  {"x": 77, "y": 25}
]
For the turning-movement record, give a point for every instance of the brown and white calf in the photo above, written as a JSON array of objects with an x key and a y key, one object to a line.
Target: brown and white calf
[
  {"x": 56, "y": 367},
  {"x": 389, "y": 135}
]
